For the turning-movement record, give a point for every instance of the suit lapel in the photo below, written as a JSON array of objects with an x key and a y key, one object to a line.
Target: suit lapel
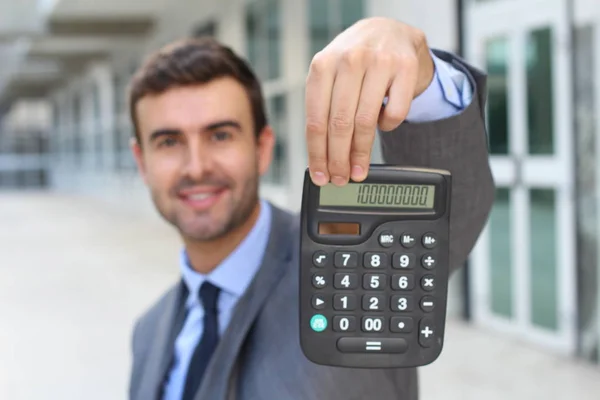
[
  {"x": 161, "y": 350},
  {"x": 216, "y": 380}
]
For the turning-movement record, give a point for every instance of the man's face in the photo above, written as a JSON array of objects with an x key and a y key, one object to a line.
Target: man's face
[{"x": 200, "y": 157}]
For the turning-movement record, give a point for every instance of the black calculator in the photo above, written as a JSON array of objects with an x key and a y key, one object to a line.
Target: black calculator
[{"x": 374, "y": 268}]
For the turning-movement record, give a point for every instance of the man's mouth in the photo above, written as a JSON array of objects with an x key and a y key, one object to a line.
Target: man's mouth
[{"x": 201, "y": 199}]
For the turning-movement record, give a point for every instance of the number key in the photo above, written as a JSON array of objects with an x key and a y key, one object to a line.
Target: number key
[
  {"x": 344, "y": 302},
  {"x": 372, "y": 324},
  {"x": 403, "y": 282},
  {"x": 375, "y": 260},
  {"x": 345, "y": 281},
  {"x": 373, "y": 302},
  {"x": 402, "y": 303},
  {"x": 345, "y": 259},
  {"x": 403, "y": 260},
  {"x": 344, "y": 324},
  {"x": 374, "y": 281}
]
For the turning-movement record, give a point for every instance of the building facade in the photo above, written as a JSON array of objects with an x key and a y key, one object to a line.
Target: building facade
[{"x": 534, "y": 273}]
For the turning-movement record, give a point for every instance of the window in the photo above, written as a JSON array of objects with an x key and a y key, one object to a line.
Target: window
[
  {"x": 205, "y": 29},
  {"x": 329, "y": 18},
  {"x": 263, "y": 38},
  {"x": 277, "y": 115}
]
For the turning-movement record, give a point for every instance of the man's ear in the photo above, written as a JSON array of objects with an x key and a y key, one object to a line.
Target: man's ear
[
  {"x": 138, "y": 155},
  {"x": 266, "y": 143}
]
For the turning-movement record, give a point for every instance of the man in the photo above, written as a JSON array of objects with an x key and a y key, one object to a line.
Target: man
[{"x": 229, "y": 328}]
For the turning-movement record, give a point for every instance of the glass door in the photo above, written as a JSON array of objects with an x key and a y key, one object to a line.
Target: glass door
[{"x": 524, "y": 264}]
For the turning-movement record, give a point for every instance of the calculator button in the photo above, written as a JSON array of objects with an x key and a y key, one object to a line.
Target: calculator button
[
  {"x": 402, "y": 324},
  {"x": 318, "y": 302},
  {"x": 371, "y": 345},
  {"x": 428, "y": 261},
  {"x": 373, "y": 302},
  {"x": 429, "y": 240},
  {"x": 375, "y": 260},
  {"x": 345, "y": 281},
  {"x": 319, "y": 281},
  {"x": 318, "y": 323},
  {"x": 403, "y": 260},
  {"x": 320, "y": 258},
  {"x": 407, "y": 240},
  {"x": 344, "y": 302},
  {"x": 372, "y": 324},
  {"x": 386, "y": 239},
  {"x": 402, "y": 303},
  {"x": 374, "y": 281},
  {"x": 426, "y": 332},
  {"x": 428, "y": 283},
  {"x": 347, "y": 259},
  {"x": 427, "y": 304},
  {"x": 403, "y": 282},
  {"x": 344, "y": 324}
]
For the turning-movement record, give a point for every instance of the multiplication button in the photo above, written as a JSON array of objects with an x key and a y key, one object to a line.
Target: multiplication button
[{"x": 428, "y": 283}]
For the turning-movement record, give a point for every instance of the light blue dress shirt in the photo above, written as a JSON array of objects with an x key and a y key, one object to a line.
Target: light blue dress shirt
[{"x": 448, "y": 93}]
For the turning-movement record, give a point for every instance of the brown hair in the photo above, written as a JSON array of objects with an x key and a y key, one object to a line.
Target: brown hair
[{"x": 191, "y": 62}]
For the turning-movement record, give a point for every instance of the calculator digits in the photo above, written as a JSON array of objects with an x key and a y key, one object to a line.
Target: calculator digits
[{"x": 374, "y": 269}]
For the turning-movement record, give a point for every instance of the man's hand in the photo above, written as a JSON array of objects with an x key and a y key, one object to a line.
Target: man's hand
[{"x": 345, "y": 90}]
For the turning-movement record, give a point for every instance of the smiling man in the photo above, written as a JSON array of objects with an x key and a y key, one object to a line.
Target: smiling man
[{"x": 229, "y": 328}]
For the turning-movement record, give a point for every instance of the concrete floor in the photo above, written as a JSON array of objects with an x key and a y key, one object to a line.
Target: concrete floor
[{"x": 74, "y": 274}]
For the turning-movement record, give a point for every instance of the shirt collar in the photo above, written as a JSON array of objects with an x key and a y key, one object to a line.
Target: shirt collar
[{"x": 236, "y": 271}]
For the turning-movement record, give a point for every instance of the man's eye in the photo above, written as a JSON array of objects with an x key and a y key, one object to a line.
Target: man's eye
[
  {"x": 221, "y": 135},
  {"x": 168, "y": 142}
]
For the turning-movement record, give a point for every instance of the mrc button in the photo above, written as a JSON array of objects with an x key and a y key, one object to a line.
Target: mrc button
[{"x": 386, "y": 239}]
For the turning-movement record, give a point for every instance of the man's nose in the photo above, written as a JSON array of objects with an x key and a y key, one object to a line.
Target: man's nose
[{"x": 197, "y": 163}]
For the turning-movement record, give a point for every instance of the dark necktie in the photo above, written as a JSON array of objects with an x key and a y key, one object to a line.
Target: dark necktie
[{"x": 208, "y": 342}]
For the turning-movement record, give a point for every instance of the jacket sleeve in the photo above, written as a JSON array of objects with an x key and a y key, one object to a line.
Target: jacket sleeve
[{"x": 458, "y": 144}]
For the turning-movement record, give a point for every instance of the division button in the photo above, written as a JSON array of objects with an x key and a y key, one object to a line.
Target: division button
[
  {"x": 426, "y": 332},
  {"x": 386, "y": 239},
  {"x": 407, "y": 240},
  {"x": 320, "y": 258},
  {"x": 372, "y": 345},
  {"x": 318, "y": 323},
  {"x": 428, "y": 261},
  {"x": 318, "y": 302},
  {"x": 429, "y": 240}
]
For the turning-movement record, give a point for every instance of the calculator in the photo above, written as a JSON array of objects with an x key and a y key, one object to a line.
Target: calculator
[{"x": 374, "y": 268}]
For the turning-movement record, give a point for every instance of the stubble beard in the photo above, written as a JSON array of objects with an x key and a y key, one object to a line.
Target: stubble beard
[{"x": 207, "y": 227}]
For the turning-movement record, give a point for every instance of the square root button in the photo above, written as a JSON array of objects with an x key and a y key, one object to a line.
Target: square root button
[{"x": 372, "y": 345}]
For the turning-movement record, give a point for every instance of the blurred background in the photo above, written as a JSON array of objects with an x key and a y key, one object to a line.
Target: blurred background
[{"x": 82, "y": 252}]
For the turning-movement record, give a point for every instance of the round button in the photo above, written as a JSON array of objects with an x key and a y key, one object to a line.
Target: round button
[
  {"x": 429, "y": 240},
  {"x": 428, "y": 261},
  {"x": 407, "y": 240},
  {"x": 386, "y": 239},
  {"x": 427, "y": 304},
  {"x": 319, "y": 281},
  {"x": 320, "y": 258},
  {"x": 318, "y": 323},
  {"x": 318, "y": 302},
  {"x": 428, "y": 283}
]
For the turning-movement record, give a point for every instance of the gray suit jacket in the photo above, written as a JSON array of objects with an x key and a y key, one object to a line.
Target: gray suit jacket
[{"x": 259, "y": 355}]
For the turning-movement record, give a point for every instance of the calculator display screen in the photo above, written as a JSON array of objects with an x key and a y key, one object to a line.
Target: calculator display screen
[{"x": 378, "y": 195}]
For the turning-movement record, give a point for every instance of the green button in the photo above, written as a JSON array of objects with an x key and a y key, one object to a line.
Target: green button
[{"x": 318, "y": 323}]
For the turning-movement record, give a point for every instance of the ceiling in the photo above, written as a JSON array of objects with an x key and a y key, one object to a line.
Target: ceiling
[{"x": 43, "y": 42}]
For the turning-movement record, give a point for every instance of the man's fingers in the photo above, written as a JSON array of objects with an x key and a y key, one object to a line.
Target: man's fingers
[
  {"x": 374, "y": 89},
  {"x": 319, "y": 85},
  {"x": 400, "y": 95},
  {"x": 346, "y": 92}
]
